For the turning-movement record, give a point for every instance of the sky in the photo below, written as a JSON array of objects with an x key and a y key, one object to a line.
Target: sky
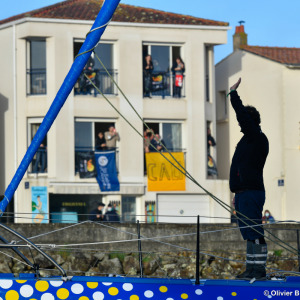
[{"x": 267, "y": 22}]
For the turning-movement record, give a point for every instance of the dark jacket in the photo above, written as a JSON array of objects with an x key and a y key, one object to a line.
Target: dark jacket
[
  {"x": 181, "y": 71},
  {"x": 93, "y": 215},
  {"x": 100, "y": 142},
  {"x": 246, "y": 171},
  {"x": 112, "y": 216}
]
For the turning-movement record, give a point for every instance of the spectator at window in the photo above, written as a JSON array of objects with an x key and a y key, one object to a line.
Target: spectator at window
[
  {"x": 161, "y": 142},
  {"x": 178, "y": 70},
  {"x": 100, "y": 142},
  {"x": 147, "y": 75},
  {"x": 153, "y": 144},
  {"x": 210, "y": 140},
  {"x": 40, "y": 165},
  {"x": 211, "y": 164},
  {"x": 111, "y": 137}
]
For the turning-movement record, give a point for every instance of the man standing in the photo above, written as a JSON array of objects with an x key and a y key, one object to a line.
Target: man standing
[
  {"x": 111, "y": 137},
  {"x": 96, "y": 214},
  {"x": 246, "y": 181}
]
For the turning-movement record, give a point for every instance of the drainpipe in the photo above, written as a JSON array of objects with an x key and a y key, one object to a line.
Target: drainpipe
[{"x": 15, "y": 114}]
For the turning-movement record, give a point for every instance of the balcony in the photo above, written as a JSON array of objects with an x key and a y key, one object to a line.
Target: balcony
[
  {"x": 100, "y": 79},
  {"x": 163, "y": 85}
]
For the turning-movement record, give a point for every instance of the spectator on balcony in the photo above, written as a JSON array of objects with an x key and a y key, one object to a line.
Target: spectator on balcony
[
  {"x": 40, "y": 165},
  {"x": 100, "y": 142},
  {"x": 178, "y": 70},
  {"x": 153, "y": 143},
  {"x": 161, "y": 142},
  {"x": 210, "y": 140},
  {"x": 147, "y": 75},
  {"x": 211, "y": 164},
  {"x": 111, "y": 137},
  {"x": 89, "y": 71}
]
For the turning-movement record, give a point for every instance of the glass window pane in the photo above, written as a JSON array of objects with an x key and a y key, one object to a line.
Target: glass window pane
[
  {"x": 38, "y": 54},
  {"x": 128, "y": 209},
  {"x": 172, "y": 136},
  {"x": 104, "y": 52},
  {"x": 83, "y": 135},
  {"x": 161, "y": 58}
]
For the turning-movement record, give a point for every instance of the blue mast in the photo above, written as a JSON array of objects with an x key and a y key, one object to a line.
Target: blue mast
[{"x": 107, "y": 10}]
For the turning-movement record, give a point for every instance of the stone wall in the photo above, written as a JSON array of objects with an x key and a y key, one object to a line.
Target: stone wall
[
  {"x": 213, "y": 236},
  {"x": 222, "y": 249}
]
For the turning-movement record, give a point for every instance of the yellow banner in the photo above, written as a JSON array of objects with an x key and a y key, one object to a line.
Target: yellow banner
[{"x": 162, "y": 175}]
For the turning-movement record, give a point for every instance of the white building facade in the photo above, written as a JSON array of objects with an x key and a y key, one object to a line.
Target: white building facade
[{"x": 36, "y": 55}]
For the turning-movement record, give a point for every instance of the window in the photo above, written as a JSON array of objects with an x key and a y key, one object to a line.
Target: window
[
  {"x": 95, "y": 72},
  {"x": 162, "y": 80},
  {"x": 208, "y": 50},
  {"x": 170, "y": 133},
  {"x": 36, "y": 66},
  {"x": 39, "y": 162},
  {"x": 72, "y": 208},
  {"x": 128, "y": 209},
  {"x": 86, "y": 132}
]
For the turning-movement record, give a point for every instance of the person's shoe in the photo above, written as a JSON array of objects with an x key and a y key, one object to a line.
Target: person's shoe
[
  {"x": 246, "y": 275},
  {"x": 258, "y": 272}
]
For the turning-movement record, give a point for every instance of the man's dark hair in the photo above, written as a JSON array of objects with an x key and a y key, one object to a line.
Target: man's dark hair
[{"x": 253, "y": 113}]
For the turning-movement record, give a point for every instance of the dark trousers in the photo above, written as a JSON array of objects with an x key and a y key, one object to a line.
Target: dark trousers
[{"x": 249, "y": 204}]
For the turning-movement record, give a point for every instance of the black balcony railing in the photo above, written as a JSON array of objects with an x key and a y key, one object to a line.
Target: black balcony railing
[
  {"x": 36, "y": 81},
  {"x": 163, "y": 84},
  {"x": 100, "y": 79}
]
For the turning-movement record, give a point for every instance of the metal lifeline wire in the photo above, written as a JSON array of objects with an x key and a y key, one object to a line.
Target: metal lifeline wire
[
  {"x": 66, "y": 247},
  {"x": 155, "y": 239},
  {"x": 71, "y": 246},
  {"x": 181, "y": 168}
]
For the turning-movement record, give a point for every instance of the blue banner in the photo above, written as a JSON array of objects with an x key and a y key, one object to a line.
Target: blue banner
[{"x": 107, "y": 176}]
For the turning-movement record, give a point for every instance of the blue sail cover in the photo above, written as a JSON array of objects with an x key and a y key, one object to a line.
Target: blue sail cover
[{"x": 104, "y": 16}]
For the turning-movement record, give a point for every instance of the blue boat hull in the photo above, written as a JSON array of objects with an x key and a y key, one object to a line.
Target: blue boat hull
[{"x": 118, "y": 288}]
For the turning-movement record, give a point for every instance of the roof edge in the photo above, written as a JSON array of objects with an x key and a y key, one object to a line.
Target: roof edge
[{"x": 127, "y": 24}]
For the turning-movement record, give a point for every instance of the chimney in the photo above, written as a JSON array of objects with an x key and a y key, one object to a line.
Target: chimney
[{"x": 240, "y": 37}]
